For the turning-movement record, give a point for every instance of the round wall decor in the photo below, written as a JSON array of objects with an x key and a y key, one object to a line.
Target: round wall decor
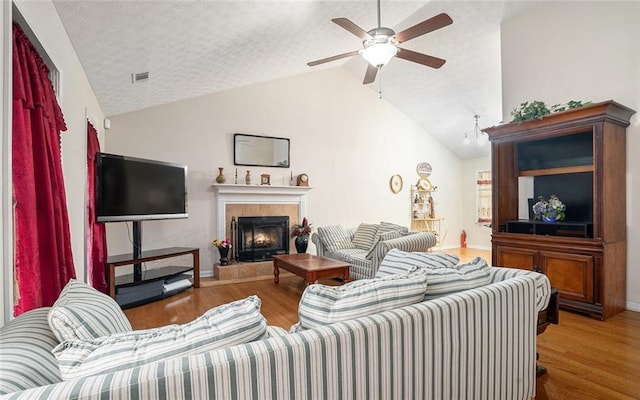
[{"x": 396, "y": 183}]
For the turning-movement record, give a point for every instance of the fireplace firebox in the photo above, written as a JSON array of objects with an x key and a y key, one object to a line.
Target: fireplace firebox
[{"x": 261, "y": 238}]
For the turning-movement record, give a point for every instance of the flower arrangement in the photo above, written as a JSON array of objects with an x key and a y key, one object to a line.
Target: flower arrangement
[
  {"x": 222, "y": 244},
  {"x": 549, "y": 210},
  {"x": 301, "y": 230}
]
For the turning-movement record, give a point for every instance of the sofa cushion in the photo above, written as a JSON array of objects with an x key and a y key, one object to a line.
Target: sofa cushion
[
  {"x": 448, "y": 280},
  {"x": 364, "y": 236},
  {"x": 321, "y": 304},
  {"x": 83, "y": 313},
  {"x": 223, "y": 326},
  {"x": 398, "y": 261},
  {"x": 335, "y": 237},
  {"x": 25, "y": 353},
  {"x": 381, "y": 237}
]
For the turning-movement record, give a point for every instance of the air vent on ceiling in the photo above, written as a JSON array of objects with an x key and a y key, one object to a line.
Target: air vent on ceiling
[{"x": 141, "y": 76}]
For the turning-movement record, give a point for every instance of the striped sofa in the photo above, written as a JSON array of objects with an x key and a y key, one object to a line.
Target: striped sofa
[
  {"x": 365, "y": 252},
  {"x": 476, "y": 344}
]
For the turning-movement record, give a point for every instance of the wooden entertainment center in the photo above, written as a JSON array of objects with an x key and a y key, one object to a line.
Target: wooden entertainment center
[
  {"x": 579, "y": 155},
  {"x": 155, "y": 274}
]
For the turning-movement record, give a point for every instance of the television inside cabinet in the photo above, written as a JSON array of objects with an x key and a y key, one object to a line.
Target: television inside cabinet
[{"x": 580, "y": 156}]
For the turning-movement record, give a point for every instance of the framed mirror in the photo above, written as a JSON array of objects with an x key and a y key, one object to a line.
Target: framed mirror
[{"x": 260, "y": 151}]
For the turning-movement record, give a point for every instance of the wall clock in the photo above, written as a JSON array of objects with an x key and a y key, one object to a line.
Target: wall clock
[
  {"x": 396, "y": 183},
  {"x": 303, "y": 180}
]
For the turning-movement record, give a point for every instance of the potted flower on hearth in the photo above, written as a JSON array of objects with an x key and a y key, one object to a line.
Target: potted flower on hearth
[
  {"x": 301, "y": 233},
  {"x": 223, "y": 247},
  {"x": 551, "y": 210}
]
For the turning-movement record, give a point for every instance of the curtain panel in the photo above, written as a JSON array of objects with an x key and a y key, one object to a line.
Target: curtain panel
[
  {"x": 96, "y": 239},
  {"x": 43, "y": 262}
]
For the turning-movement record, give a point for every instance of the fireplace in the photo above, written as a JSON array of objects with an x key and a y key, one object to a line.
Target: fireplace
[{"x": 260, "y": 238}]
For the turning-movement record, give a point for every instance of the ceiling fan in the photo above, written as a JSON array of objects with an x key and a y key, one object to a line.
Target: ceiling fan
[{"x": 381, "y": 44}]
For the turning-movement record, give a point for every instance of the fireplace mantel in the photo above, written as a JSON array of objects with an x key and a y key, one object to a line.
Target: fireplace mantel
[
  {"x": 256, "y": 194},
  {"x": 261, "y": 190}
]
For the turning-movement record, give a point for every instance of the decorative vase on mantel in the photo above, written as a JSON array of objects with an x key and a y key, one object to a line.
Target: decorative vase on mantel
[
  {"x": 224, "y": 254},
  {"x": 220, "y": 178},
  {"x": 247, "y": 178},
  {"x": 302, "y": 242}
]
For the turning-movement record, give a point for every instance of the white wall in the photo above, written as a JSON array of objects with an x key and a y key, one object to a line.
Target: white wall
[
  {"x": 6, "y": 240},
  {"x": 478, "y": 236},
  {"x": 76, "y": 99},
  {"x": 581, "y": 51},
  {"x": 347, "y": 140}
]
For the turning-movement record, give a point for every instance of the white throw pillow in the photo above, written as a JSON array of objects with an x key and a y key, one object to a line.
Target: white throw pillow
[
  {"x": 227, "y": 325},
  {"x": 321, "y": 304},
  {"x": 83, "y": 313},
  {"x": 398, "y": 261}
]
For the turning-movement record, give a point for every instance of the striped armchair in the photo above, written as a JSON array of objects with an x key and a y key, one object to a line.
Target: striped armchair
[{"x": 364, "y": 247}]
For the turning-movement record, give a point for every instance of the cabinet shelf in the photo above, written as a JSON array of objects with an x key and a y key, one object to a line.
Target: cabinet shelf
[
  {"x": 568, "y": 229},
  {"x": 557, "y": 171}
]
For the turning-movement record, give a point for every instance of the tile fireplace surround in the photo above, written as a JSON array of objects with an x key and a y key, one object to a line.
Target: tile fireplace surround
[{"x": 258, "y": 200}]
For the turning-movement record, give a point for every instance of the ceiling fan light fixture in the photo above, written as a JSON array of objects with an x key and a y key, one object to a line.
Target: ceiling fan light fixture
[{"x": 379, "y": 54}]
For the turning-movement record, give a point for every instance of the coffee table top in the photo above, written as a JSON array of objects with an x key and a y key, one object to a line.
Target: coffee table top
[{"x": 310, "y": 262}]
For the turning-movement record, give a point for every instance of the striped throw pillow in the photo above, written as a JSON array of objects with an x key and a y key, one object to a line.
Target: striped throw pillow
[
  {"x": 25, "y": 353},
  {"x": 398, "y": 261},
  {"x": 382, "y": 237},
  {"x": 334, "y": 238},
  {"x": 364, "y": 236},
  {"x": 444, "y": 281},
  {"x": 83, "y": 313},
  {"x": 321, "y": 304},
  {"x": 390, "y": 226},
  {"x": 227, "y": 325}
]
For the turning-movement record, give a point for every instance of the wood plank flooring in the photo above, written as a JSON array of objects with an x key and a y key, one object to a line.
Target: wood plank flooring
[{"x": 586, "y": 359}]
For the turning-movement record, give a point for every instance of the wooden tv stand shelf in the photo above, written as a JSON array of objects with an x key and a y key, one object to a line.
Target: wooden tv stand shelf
[{"x": 154, "y": 274}]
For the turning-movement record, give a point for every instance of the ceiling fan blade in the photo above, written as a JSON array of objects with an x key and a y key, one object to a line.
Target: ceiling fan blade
[
  {"x": 429, "y": 25},
  {"x": 353, "y": 28},
  {"x": 370, "y": 75},
  {"x": 429, "y": 61},
  {"x": 333, "y": 58}
]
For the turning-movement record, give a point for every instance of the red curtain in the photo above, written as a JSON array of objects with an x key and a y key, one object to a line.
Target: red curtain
[
  {"x": 42, "y": 258},
  {"x": 96, "y": 237}
]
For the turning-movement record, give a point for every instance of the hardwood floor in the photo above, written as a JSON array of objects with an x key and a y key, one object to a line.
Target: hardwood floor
[{"x": 585, "y": 359}]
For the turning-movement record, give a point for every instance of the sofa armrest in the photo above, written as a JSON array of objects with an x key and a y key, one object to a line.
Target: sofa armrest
[
  {"x": 415, "y": 242},
  {"x": 320, "y": 249}
]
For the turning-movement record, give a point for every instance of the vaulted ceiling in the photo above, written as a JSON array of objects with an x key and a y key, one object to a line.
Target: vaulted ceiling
[{"x": 192, "y": 48}]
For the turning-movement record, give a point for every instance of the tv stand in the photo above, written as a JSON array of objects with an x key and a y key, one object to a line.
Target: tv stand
[{"x": 152, "y": 275}]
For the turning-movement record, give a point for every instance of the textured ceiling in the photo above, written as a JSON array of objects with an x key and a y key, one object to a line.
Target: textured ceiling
[{"x": 192, "y": 48}]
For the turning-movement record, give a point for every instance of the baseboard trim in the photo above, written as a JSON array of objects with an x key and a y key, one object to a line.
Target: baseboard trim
[{"x": 633, "y": 306}]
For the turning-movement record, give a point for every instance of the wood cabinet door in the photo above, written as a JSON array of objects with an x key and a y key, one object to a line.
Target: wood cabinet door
[
  {"x": 572, "y": 274},
  {"x": 514, "y": 257}
]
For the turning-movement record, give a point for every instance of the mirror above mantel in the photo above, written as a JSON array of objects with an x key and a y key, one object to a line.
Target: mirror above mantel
[{"x": 260, "y": 151}]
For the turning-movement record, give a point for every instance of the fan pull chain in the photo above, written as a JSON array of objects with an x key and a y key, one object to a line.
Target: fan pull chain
[{"x": 380, "y": 82}]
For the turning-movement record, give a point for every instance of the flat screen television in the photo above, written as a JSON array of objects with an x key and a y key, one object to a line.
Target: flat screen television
[{"x": 135, "y": 189}]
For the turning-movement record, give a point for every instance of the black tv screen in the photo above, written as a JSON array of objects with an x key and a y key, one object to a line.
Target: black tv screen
[{"x": 135, "y": 189}]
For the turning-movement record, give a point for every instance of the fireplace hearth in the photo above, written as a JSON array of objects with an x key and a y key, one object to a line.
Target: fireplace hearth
[{"x": 260, "y": 238}]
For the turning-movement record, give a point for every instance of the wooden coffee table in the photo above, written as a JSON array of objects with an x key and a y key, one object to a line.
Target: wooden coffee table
[{"x": 310, "y": 267}]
